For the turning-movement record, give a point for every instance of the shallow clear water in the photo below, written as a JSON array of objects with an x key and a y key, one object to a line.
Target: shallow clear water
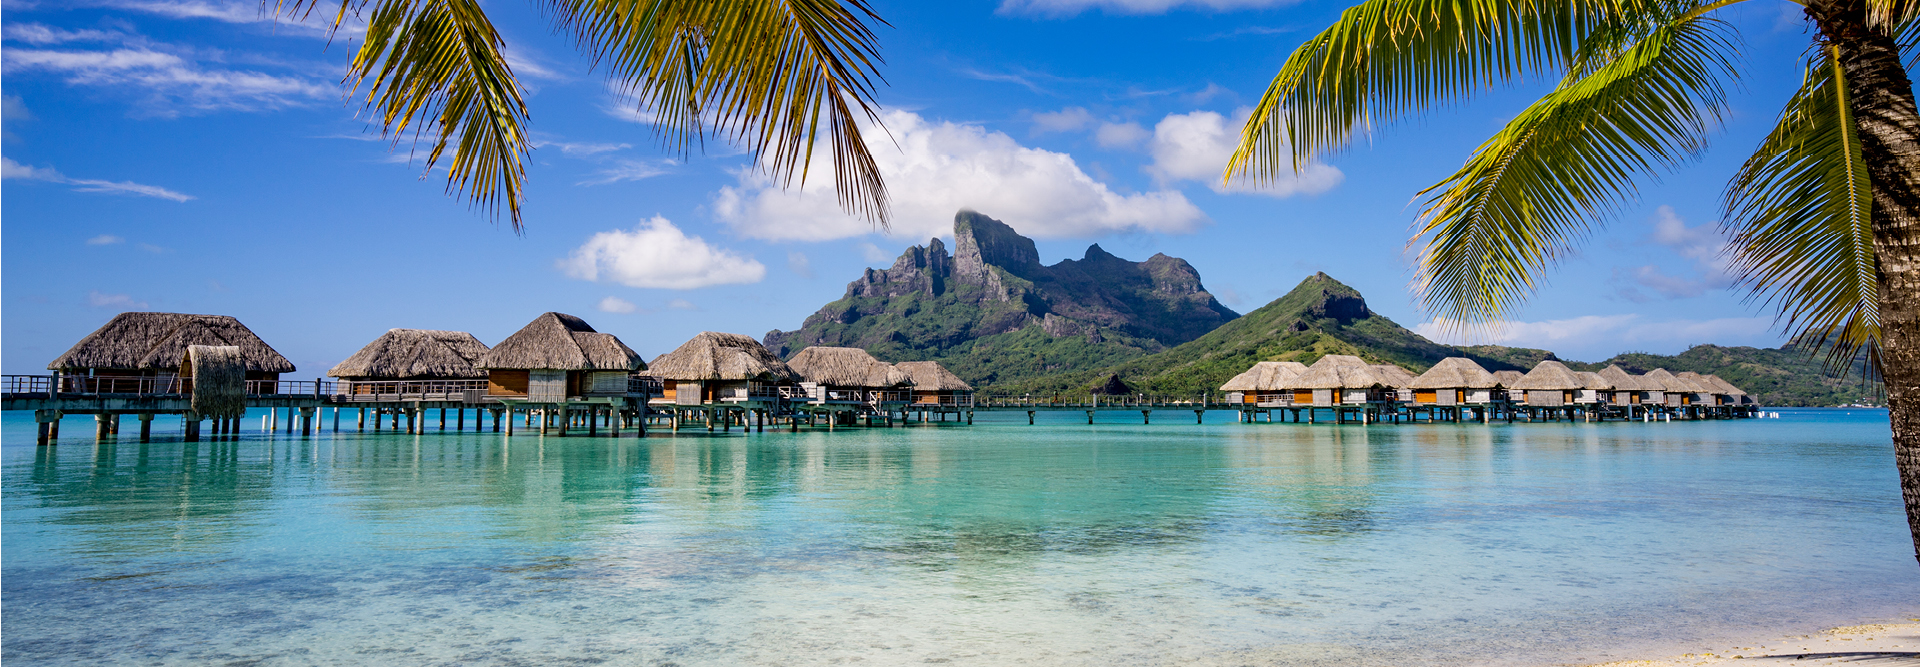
[{"x": 1062, "y": 543}]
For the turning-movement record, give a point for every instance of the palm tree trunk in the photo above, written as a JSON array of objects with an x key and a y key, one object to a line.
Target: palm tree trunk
[{"x": 1883, "y": 105}]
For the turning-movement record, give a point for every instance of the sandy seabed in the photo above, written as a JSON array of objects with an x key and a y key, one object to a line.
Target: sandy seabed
[{"x": 1871, "y": 644}]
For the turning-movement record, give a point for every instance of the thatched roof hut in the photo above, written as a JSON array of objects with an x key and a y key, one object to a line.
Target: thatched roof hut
[
  {"x": 1725, "y": 387},
  {"x": 1455, "y": 373},
  {"x": 1395, "y": 376},
  {"x": 1508, "y": 378},
  {"x": 219, "y": 375},
  {"x": 558, "y": 341},
  {"x": 1340, "y": 371},
  {"x": 846, "y": 367},
  {"x": 1660, "y": 379},
  {"x": 1702, "y": 384},
  {"x": 931, "y": 376},
  {"x": 1112, "y": 386},
  {"x": 721, "y": 357},
  {"x": 158, "y": 341},
  {"x": 408, "y": 354},
  {"x": 1622, "y": 380},
  {"x": 1591, "y": 380},
  {"x": 1549, "y": 375},
  {"x": 1266, "y": 376}
]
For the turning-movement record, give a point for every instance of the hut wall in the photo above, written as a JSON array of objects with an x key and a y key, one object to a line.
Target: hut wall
[
  {"x": 688, "y": 393},
  {"x": 1304, "y": 397},
  {"x": 1353, "y": 396},
  {"x": 1427, "y": 396},
  {"x": 600, "y": 383},
  {"x": 1546, "y": 398},
  {"x": 507, "y": 383},
  {"x": 1322, "y": 397},
  {"x": 1588, "y": 396},
  {"x": 1272, "y": 398},
  {"x": 546, "y": 386},
  {"x": 1242, "y": 397}
]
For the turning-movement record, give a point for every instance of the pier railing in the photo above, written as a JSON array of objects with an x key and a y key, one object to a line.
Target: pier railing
[
  {"x": 1099, "y": 401},
  {"x": 409, "y": 390},
  {"x": 150, "y": 385}
]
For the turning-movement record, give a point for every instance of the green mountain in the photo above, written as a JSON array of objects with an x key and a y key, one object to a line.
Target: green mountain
[
  {"x": 1319, "y": 317},
  {"x": 994, "y": 315}
]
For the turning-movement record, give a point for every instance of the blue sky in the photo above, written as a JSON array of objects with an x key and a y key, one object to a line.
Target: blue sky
[{"x": 186, "y": 155}]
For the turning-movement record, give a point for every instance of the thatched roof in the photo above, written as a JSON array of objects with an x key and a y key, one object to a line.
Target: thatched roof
[
  {"x": 157, "y": 341},
  {"x": 1266, "y": 376},
  {"x": 715, "y": 356},
  {"x": 1549, "y": 375},
  {"x": 931, "y": 376},
  {"x": 1661, "y": 379},
  {"x": 1455, "y": 373},
  {"x": 1589, "y": 380},
  {"x": 846, "y": 367},
  {"x": 561, "y": 342},
  {"x": 1112, "y": 386},
  {"x": 1509, "y": 378},
  {"x": 1339, "y": 371},
  {"x": 1725, "y": 387},
  {"x": 403, "y": 354},
  {"x": 219, "y": 375},
  {"x": 1621, "y": 379},
  {"x": 1395, "y": 376},
  {"x": 1708, "y": 384}
]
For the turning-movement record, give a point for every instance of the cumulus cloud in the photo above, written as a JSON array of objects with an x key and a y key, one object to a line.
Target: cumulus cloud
[
  {"x": 172, "y": 83},
  {"x": 317, "y": 24},
  {"x": 1196, "y": 146},
  {"x": 942, "y": 167},
  {"x": 11, "y": 169},
  {"x": 1703, "y": 244},
  {"x": 657, "y": 254},
  {"x": 578, "y": 148},
  {"x": 105, "y": 239},
  {"x": 1601, "y": 336},
  {"x": 1121, "y": 135},
  {"x": 681, "y": 304},
  {"x": 614, "y": 304},
  {"x": 1070, "y": 119},
  {"x": 98, "y": 299},
  {"x": 1063, "y": 8}
]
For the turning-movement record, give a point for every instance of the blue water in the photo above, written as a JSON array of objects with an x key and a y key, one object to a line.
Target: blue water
[{"x": 1000, "y": 543}]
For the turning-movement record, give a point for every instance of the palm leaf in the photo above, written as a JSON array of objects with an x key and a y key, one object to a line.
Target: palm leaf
[
  {"x": 436, "y": 67},
  {"x": 1389, "y": 58},
  {"x": 1639, "y": 97},
  {"x": 1801, "y": 215},
  {"x": 763, "y": 73}
]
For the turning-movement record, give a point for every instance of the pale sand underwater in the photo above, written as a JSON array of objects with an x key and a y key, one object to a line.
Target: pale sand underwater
[{"x": 1870, "y": 644}]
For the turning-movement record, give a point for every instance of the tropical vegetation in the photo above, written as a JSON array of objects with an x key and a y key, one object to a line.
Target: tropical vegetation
[
  {"x": 1821, "y": 218},
  {"x": 770, "y": 76}
]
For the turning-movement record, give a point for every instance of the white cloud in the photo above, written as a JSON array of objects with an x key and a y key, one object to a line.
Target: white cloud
[
  {"x": 681, "y": 304},
  {"x": 630, "y": 170},
  {"x": 105, "y": 239},
  {"x": 1602, "y": 335},
  {"x": 614, "y": 304},
  {"x": 1120, "y": 135},
  {"x": 316, "y": 24},
  {"x": 173, "y": 83},
  {"x": 658, "y": 254},
  {"x": 11, "y": 169},
  {"x": 98, "y": 300},
  {"x": 41, "y": 35},
  {"x": 798, "y": 263},
  {"x": 578, "y": 148},
  {"x": 1060, "y": 8},
  {"x": 1196, "y": 146},
  {"x": 942, "y": 167},
  {"x": 1070, "y": 119},
  {"x": 872, "y": 252},
  {"x": 1703, "y": 244}
]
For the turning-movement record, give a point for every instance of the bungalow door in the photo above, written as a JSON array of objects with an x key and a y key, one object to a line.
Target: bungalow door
[{"x": 546, "y": 386}]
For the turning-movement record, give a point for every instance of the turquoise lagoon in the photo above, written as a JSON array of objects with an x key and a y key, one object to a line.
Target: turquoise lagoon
[{"x": 1001, "y": 543}]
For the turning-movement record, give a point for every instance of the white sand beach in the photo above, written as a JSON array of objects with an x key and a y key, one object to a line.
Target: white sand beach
[{"x": 1872, "y": 644}]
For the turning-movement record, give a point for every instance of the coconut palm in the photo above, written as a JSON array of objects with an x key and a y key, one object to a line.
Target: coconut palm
[
  {"x": 1820, "y": 220},
  {"x": 764, "y": 74}
]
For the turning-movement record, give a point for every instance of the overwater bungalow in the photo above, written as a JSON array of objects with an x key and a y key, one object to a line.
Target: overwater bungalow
[
  {"x": 558, "y": 358},
  {"x": 1595, "y": 390},
  {"x": 1549, "y": 385},
  {"x": 1629, "y": 390},
  {"x": 1400, "y": 380},
  {"x": 414, "y": 361},
  {"x": 1673, "y": 392},
  {"x": 140, "y": 353},
  {"x": 1346, "y": 383},
  {"x": 1456, "y": 381},
  {"x": 1508, "y": 378},
  {"x": 1734, "y": 395},
  {"x": 848, "y": 375},
  {"x": 1265, "y": 385},
  {"x": 720, "y": 368},
  {"x": 935, "y": 387},
  {"x": 1709, "y": 393}
]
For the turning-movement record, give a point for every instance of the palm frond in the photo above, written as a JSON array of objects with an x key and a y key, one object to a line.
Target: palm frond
[
  {"x": 1389, "y": 58},
  {"x": 1638, "y": 97},
  {"x": 764, "y": 73},
  {"x": 1800, "y": 212},
  {"x": 436, "y": 67}
]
